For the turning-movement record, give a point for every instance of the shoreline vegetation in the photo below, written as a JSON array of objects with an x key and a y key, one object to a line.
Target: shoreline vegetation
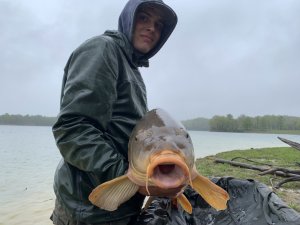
[
  {"x": 246, "y": 124},
  {"x": 27, "y": 120},
  {"x": 242, "y": 124},
  {"x": 277, "y": 156}
]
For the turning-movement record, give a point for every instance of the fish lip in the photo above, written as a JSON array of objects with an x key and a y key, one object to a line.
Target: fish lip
[{"x": 179, "y": 175}]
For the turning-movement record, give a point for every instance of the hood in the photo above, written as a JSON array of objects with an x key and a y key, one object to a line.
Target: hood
[{"x": 126, "y": 22}]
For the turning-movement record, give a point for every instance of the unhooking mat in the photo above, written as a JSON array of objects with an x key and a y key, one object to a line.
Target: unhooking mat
[{"x": 251, "y": 203}]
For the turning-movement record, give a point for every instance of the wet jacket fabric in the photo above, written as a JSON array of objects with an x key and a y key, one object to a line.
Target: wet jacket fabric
[
  {"x": 251, "y": 203},
  {"x": 103, "y": 96}
]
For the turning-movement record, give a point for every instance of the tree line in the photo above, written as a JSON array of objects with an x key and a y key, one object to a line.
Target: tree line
[
  {"x": 228, "y": 123},
  {"x": 243, "y": 123},
  {"x": 26, "y": 120}
]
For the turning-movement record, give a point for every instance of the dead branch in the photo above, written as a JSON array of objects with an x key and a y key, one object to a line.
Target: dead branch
[
  {"x": 249, "y": 160},
  {"x": 283, "y": 170},
  {"x": 293, "y": 175},
  {"x": 263, "y": 169},
  {"x": 244, "y": 165},
  {"x": 290, "y": 143},
  {"x": 290, "y": 179}
]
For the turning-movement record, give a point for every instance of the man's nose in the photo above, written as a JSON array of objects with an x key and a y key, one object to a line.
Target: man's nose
[{"x": 151, "y": 26}]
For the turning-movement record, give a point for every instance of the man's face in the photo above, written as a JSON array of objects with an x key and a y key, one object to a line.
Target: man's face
[{"x": 147, "y": 30}]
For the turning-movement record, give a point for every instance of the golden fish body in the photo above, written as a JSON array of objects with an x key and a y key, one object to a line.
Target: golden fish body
[{"x": 160, "y": 153}]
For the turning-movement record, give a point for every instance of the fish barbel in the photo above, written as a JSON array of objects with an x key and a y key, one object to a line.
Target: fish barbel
[{"x": 161, "y": 154}]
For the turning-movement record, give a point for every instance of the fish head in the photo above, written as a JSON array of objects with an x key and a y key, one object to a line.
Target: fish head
[{"x": 160, "y": 151}]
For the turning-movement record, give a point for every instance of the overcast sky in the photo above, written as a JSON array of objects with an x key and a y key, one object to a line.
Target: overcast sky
[{"x": 225, "y": 56}]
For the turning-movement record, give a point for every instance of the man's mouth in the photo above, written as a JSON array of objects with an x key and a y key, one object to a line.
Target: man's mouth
[{"x": 146, "y": 38}]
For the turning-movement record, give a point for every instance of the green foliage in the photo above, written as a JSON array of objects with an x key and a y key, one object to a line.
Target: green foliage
[
  {"x": 264, "y": 124},
  {"x": 222, "y": 123},
  {"x": 27, "y": 120},
  {"x": 268, "y": 123},
  {"x": 197, "y": 124},
  {"x": 258, "y": 124}
]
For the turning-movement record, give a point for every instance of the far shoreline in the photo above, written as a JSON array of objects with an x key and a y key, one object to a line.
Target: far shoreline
[{"x": 290, "y": 132}]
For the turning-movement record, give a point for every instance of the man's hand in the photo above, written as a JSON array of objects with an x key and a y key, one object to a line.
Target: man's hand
[{"x": 160, "y": 192}]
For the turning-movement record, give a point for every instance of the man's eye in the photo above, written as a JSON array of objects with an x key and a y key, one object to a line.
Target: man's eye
[
  {"x": 143, "y": 18},
  {"x": 159, "y": 26}
]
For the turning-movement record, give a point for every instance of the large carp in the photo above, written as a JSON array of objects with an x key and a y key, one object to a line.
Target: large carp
[{"x": 160, "y": 153}]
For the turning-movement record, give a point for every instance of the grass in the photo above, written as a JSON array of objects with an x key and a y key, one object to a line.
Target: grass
[{"x": 279, "y": 157}]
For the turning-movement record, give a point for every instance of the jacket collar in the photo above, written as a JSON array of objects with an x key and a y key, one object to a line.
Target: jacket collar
[{"x": 134, "y": 58}]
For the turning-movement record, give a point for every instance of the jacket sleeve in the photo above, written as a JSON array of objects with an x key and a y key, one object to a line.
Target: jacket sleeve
[{"x": 88, "y": 94}]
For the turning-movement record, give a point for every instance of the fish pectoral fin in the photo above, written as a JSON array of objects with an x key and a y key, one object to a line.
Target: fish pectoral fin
[
  {"x": 214, "y": 195},
  {"x": 113, "y": 193},
  {"x": 184, "y": 203}
]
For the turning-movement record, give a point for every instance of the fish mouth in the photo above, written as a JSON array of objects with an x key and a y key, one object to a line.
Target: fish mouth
[{"x": 167, "y": 169}]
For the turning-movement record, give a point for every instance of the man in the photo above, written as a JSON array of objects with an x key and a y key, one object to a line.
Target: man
[{"x": 103, "y": 96}]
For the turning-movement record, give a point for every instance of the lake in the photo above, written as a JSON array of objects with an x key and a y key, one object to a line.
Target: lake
[{"x": 28, "y": 157}]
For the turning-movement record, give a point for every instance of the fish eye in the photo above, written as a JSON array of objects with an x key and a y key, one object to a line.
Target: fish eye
[{"x": 187, "y": 135}]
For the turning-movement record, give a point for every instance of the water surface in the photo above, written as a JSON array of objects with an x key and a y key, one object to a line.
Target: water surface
[{"x": 28, "y": 158}]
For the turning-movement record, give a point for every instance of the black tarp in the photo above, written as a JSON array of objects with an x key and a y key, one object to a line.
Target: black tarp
[{"x": 251, "y": 203}]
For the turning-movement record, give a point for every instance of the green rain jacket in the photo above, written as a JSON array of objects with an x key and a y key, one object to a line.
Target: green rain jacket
[
  {"x": 100, "y": 104},
  {"x": 103, "y": 96}
]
